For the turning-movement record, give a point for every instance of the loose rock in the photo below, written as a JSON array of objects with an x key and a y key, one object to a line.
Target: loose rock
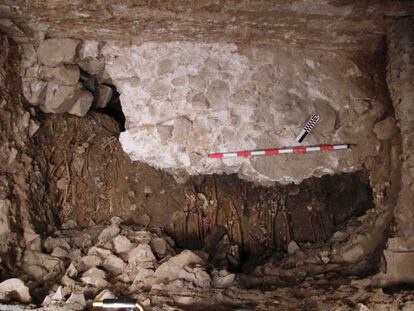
[
  {"x": 95, "y": 277},
  {"x": 293, "y": 247},
  {"x": 104, "y": 96},
  {"x": 170, "y": 269},
  {"x": 122, "y": 244},
  {"x": 14, "y": 288},
  {"x": 77, "y": 298},
  {"x": 114, "y": 265}
]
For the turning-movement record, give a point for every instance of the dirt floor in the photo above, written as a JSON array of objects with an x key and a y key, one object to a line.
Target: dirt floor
[{"x": 91, "y": 180}]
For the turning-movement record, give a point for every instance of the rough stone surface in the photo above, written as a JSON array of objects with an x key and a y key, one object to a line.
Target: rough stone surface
[
  {"x": 223, "y": 279},
  {"x": 53, "y": 52},
  {"x": 114, "y": 265},
  {"x": 95, "y": 277},
  {"x": 34, "y": 90},
  {"x": 293, "y": 247},
  {"x": 386, "y": 129},
  {"x": 109, "y": 232},
  {"x": 235, "y": 99},
  {"x": 122, "y": 244},
  {"x": 104, "y": 96},
  {"x": 159, "y": 246},
  {"x": 81, "y": 107},
  {"x": 170, "y": 269},
  {"x": 87, "y": 262},
  {"x": 64, "y": 74},
  {"x": 140, "y": 254},
  {"x": 14, "y": 288},
  {"x": 60, "y": 98},
  {"x": 77, "y": 298}
]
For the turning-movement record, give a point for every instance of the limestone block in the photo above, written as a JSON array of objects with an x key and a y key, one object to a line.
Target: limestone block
[
  {"x": 52, "y": 52},
  {"x": 14, "y": 288},
  {"x": 64, "y": 74},
  {"x": 104, "y": 96},
  {"x": 60, "y": 98},
  {"x": 34, "y": 90},
  {"x": 81, "y": 107},
  {"x": 89, "y": 48}
]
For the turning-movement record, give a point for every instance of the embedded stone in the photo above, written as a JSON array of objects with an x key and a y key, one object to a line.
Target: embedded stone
[
  {"x": 386, "y": 129},
  {"x": 141, "y": 253},
  {"x": 34, "y": 91},
  {"x": 81, "y": 107},
  {"x": 63, "y": 74},
  {"x": 104, "y": 96},
  {"x": 60, "y": 98},
  {"x": 52, "y": 52}
]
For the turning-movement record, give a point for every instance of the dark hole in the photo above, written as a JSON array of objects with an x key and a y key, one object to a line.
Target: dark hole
[{"x": 114, "y": 109}]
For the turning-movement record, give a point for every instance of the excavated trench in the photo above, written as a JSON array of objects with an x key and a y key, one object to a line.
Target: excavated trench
[
  {"x": 106, "y": 187},
  {"x": 90, "y": 180}
]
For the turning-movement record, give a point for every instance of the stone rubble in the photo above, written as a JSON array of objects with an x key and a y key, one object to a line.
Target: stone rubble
[{"x": 52, "y": 77}]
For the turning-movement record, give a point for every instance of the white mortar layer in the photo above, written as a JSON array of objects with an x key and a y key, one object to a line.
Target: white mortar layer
[{"x": 257, "y": 98}]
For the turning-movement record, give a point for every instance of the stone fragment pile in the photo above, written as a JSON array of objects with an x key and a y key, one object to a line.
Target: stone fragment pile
[
  {"x": 105, "y": 262},
  {"x": 65, "y": 75}
]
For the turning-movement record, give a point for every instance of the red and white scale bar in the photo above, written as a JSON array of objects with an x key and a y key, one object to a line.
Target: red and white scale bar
[{"x": 277, "y": 151}]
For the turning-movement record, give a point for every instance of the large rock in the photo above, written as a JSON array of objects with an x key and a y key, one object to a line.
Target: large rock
[
  {"x": 14, "y": 289},
  {"x": 60, "y": 98},
  {"x": 386, "y": 129},
  {"x": 114, "y": 265},
  {"x": 104, "y": 96},
  {"x": 77, "y": 299},
  {"x": 223, "y": 279},
  {"x": 122, "y": 244},
  {"x": 64, "y": 74},
  {"x": 42, "y": 266},
  {"x": 95, "y": 277},
  {"x": 141, "y": 254},
  {"x": 51, "y": 243},
  {"x": 34, "y": 90},
  {"x": 221, "y": 99},
  {"x": 160, "y": 247},
  {"x": 88, "y": 261},
  {"x": 198, "y": 276},
  {"x": 109, "y": 232},
  {"x": 53, "y": 52},
  {"x": 170, "y": 269},
  {"x": 81, "y": 107}
]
